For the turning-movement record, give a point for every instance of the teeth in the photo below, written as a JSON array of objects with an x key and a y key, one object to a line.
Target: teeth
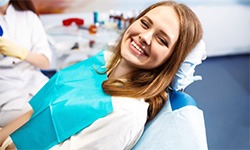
[{"x": 137, "y": 47}]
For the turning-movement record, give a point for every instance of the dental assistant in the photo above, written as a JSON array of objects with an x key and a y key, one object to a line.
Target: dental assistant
[{"x": 24, "y": 51}]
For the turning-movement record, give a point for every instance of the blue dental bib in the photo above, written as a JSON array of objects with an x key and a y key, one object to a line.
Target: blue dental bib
[{"x": 69, "y": 102}]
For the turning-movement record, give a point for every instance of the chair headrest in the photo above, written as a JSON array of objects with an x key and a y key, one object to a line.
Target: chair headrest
[{"x": 180, "y": 99}]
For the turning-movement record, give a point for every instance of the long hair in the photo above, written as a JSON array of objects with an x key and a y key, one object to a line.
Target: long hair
[
  {"x": 152, "y": 84},
  {"x": 23, "y": 5}
]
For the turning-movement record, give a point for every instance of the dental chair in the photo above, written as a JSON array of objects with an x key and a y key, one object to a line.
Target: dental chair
[{"x": 180, "y": 124}]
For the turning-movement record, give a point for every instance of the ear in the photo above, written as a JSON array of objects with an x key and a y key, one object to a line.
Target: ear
[{"x": 185, "y": 74}]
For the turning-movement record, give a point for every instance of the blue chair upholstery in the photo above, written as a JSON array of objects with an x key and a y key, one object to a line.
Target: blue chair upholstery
[{"x": 180, "y": 99}]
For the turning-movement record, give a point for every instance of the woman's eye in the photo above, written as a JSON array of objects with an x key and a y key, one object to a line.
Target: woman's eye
[
  {"x": 163, "y": 41},
  {"x": 144, "y": 24}
]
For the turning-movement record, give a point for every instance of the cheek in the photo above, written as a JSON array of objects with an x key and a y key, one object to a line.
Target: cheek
[
  {"x": 133, "y": 29},
  {"x": 161, "y": 55},
  {"x": 165, "y": 55},
  {"x": 126, "y": 35},
  {"x": 130, "y": 32}
]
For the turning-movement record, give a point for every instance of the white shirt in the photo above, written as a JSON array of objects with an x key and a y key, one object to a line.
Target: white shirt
[{"x": 19, "y": 80}]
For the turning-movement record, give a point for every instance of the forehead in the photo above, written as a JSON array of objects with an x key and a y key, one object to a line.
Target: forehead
[
  {"x": 166, "y": 19},
  {"x": 163, "y": 14}
]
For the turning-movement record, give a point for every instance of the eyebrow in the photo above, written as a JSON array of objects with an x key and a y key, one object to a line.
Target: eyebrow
[{"x": 161, "y": 31}]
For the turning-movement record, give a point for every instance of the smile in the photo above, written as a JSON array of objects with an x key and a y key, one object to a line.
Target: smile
[{"x": 138, "y": 48}]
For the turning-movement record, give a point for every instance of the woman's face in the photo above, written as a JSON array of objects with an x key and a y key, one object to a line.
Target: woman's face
[{"x": 148, "y": 42}]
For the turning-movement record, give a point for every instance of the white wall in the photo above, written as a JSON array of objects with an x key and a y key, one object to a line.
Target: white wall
[{"x": 226, "y": 27}]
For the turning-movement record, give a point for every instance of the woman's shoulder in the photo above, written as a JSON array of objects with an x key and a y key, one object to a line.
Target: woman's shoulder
[{"x": 131, "y": 105}]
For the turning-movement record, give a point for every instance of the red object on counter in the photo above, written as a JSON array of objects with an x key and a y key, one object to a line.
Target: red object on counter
[{"x": 69, "y": 21}]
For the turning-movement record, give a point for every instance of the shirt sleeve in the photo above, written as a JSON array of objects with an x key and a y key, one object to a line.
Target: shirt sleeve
[{"x": 39, "y": 37}]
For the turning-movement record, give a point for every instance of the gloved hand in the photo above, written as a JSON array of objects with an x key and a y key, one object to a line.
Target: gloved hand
[{"x": 9, "y": 48}]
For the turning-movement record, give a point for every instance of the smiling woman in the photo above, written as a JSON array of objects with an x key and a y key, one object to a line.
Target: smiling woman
[
  {"x": 149, "y": 42},
  {"x": 151, "y": 72},
  {"x": 108, "y": 109}
]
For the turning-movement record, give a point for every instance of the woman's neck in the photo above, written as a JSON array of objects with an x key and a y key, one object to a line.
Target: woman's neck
[{"x": 121, "y": 70}]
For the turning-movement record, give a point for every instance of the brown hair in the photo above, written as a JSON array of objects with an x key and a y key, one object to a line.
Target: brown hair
[
  {"x": 152, "y": 84},
  {"x": 22, "y": 5}
]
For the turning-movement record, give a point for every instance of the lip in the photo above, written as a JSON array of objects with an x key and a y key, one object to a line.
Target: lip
[
  {"x": 137, "y": 43},
  {"x": 135, "y": 50}
]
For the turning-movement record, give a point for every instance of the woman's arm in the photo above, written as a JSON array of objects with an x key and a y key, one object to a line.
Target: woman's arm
[{"x": 13, "y": 126}]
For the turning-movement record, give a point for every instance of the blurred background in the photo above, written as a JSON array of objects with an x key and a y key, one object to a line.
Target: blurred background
[{"x": 223, "y": 94}]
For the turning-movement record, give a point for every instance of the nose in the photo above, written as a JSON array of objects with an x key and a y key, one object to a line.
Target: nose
[{"x": 146, "y": 37}]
